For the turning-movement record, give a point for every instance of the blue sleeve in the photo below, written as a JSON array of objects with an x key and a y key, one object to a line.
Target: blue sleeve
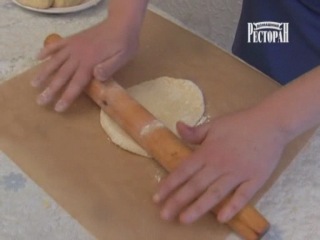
[{"x": 261, "y": 35}]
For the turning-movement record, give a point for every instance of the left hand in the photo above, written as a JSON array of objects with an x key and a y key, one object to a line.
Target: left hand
[{"x": 237, "y": 155}]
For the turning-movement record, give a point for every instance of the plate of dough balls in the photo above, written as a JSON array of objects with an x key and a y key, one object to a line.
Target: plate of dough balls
[{"x": 56, "y": 6}]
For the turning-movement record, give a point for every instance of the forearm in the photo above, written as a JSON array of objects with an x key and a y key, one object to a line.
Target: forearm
[
  {"x": 294, "y": 108},
  {"x": 127, "y": 14}
]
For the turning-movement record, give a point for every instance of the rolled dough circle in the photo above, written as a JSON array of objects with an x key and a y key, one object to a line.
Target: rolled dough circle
[{"x": 169, "y": 99}]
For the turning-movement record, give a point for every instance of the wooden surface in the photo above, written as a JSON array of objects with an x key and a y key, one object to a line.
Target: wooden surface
[{"x": 105, "y": 188}]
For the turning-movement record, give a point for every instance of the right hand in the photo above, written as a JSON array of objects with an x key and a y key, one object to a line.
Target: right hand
[{"x": 96, "y": 52}]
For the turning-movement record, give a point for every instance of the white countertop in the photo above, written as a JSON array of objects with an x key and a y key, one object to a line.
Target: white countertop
[{"x": 291, "y": 205}]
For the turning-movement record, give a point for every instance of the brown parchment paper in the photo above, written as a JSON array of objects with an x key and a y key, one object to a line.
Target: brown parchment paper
[{"x": 106, "y": 189}]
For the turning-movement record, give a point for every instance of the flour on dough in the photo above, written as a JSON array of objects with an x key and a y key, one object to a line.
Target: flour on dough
[{"x": 168, "y": 99}]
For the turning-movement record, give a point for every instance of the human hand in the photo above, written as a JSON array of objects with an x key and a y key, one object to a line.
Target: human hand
[
  {"x": 237, "y": 155},
  {"x": 96, "y": 52}
]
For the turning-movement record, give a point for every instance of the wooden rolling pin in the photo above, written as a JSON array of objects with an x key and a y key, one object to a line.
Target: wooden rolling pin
[{"x": 160, "y": 143}]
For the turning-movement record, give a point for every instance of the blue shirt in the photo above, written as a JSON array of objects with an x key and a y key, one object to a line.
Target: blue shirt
[{"x": 280, "y": 60}]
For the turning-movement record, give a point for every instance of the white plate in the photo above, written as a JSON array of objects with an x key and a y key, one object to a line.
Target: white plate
[{"x": 85, "y": 5}]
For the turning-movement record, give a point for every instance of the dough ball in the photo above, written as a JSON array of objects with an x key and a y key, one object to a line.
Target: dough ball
[
  {"x": 168, "y": 99},
  {"x": 66, "y": 3},
  {"x": 43, "y": 4}
]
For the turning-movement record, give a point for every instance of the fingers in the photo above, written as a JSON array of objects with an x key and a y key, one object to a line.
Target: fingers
[
  {"x": 187, "y": 193},
  {"x": 194, "y": 135},
  {"x": 214, "y": 194},
  {"x": 239, "y": 199},
  {"x": 178, "y": 177},
  {"x": 79, "y": 81},
  {"x": 68, "y": 68},
  {"x": 50, "y": 67},
  {"x": 59, "y": 80},
  {"x": 212, "y": 189}
]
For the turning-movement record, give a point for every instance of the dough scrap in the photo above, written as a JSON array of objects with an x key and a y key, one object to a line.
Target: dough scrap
[
  {"x": 168, "y": 99},
  {"x": 41, "y": 4}
]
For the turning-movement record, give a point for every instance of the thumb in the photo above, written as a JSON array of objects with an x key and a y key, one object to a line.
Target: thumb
[
  {"x": 104, "y": 70},
  {"x": 194, "y": 135}
]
